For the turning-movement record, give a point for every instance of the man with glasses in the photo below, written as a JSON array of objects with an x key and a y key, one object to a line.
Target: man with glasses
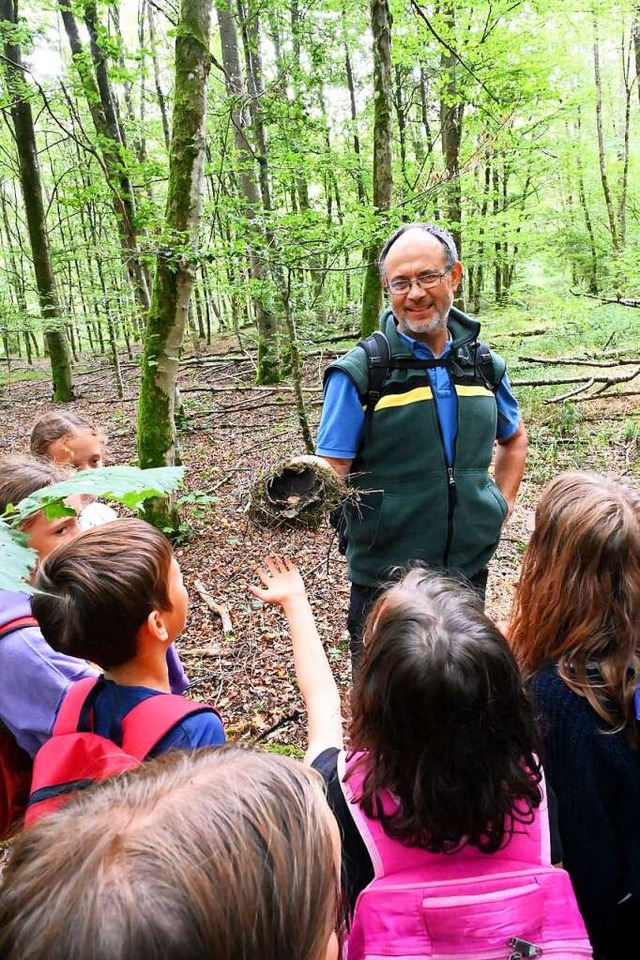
[{"x": 421, "y": 466}]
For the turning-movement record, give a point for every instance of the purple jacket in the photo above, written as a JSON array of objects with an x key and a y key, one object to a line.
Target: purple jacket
[{"x": 34, "y": 677}]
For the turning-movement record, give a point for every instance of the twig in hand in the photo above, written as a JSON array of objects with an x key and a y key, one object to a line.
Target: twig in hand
[{"x": 218, "y": 608}]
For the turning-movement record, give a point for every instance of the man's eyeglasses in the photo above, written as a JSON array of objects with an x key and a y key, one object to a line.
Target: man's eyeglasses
[{"x": 424, "y": 281}]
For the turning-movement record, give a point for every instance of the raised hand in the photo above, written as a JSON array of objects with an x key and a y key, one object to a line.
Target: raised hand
[{"x": 282, "y": 583}]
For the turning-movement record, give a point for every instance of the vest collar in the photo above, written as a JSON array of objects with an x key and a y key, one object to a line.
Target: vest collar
[{"x": 462, "y": 329}]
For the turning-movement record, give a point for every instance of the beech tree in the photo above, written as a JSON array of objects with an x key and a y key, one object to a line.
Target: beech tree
[
  {"x": 30, "y": 181},
  {"x": 382, "y": 172},
  {"x": 178, "y": 255}
]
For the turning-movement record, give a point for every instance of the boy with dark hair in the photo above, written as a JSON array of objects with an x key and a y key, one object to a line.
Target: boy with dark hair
[{"x": 115, "y": 596}]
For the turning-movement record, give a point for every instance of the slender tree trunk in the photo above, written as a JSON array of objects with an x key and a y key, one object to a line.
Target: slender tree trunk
[
  {"x": 451, "y": 114},
  {"x": 175, "y": 268},
  {"x": 22, "y": 119},
  {"x": 606, "y": 189},
  {"x": 268, "y": 358},
  {"x": 382, "y": 174},
  {"x": 636, "y": 45},
  {"x": 160, "y": 97},
  {"x": 101, "y": 103},
  {"x": 362, "y": 197}
]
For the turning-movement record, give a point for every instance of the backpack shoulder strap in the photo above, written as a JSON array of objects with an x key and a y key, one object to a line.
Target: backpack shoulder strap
[
  {"x": 379, "y": 846},
  {"x": 72, "y": 706},
  {"x": 376, "y": 347},
  {"x": 18, "y": 623},
  {"x": 490, "y": 366},
  {"x": 150, "y": 721}
]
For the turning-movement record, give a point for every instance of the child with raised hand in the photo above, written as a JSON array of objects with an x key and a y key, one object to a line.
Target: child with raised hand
[
  {"x": 442, "y": 774},
  {"x": 73, "y": 441},
  {"x": 114, "y": 595},
  {"x": 575, "y": 628},
  {"x": 223, "y": 854}
]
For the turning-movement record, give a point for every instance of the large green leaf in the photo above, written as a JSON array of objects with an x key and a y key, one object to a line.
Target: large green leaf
[
  {"x": 16, "y": 560},
  {"x": 128, "y": 485}
]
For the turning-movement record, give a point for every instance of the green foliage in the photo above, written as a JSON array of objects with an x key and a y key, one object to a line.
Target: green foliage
[
  {"x": 285, "y": 750},
  {"x": 127, "y": 485},
  {"x": 16, "y": 559}
]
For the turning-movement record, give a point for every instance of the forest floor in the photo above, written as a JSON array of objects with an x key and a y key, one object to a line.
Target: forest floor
[{"x": 227, "y": 438}]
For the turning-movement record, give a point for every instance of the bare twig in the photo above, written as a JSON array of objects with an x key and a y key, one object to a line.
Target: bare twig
[{"x": 219, "y": 609}]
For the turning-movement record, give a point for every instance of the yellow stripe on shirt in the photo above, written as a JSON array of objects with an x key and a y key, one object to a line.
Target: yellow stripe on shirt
[
  {"x": 473, "y": 391},
  {"x": 401, "y": 399},
  {"x": 426, "y": 393}
]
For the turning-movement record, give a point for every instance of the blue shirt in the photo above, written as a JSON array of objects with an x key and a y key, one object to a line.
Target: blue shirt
[
  {"x": 342, "y": 422},
  {"x": 116, "y": 700}
]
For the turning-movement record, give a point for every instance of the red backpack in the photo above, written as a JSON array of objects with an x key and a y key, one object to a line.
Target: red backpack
[
  {"x": 15, "y": 763},
  {"x": 75, "y": 756}
]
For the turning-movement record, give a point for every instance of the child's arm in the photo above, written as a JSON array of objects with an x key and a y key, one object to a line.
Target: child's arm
[{"x": 283, "y": 586}]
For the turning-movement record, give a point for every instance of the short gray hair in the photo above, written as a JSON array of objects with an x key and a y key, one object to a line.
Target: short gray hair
[{"x": 442, "y": 235}]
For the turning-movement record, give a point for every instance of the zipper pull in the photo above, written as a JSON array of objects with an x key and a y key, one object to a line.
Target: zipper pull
[
  {"x": 522, "y": 949},
  {"x": 452, "y": 479}
]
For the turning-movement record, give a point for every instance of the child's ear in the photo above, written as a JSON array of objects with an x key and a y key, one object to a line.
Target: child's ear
[{"x": 154, "y": 627}]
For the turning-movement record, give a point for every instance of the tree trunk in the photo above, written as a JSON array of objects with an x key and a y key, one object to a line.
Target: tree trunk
[
  {"x": 606, "y": 189},
  {"x": 156, "y": 75},
  {"x": 268, "y": 359},
  {"x": 101, "y": 103},
  {"x": 451, "y": 114},
  {"x": 31, "y": 184},
  {"x": 362, "y": 197},
  {"x": 175, "y": 266},
  {"x": 382, "y": 173},
  {"x": 636, "y": 45}
]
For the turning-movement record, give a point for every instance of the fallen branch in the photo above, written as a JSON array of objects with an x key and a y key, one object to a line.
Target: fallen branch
[
  {"x": 605, "y": 382},
  {"x": 573, "y": 362},
  {"x": 536, "y": 332},
  {"x": 558, "y": 381},
  {"x": 621, "y": 301},
  {"x": 218, "y": 608}
]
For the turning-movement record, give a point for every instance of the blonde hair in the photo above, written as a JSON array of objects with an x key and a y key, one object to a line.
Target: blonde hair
[
  {"x": 222, "y": 853},
  {"x": 578, "y": 599},
  {"x": 56, "y": 425}
]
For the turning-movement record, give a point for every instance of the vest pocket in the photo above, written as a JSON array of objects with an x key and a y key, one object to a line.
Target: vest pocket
[{"x": 502, "y": 503}]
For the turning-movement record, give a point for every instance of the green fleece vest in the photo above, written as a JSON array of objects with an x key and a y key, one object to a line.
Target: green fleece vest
[{"x": 412, "y": 506}]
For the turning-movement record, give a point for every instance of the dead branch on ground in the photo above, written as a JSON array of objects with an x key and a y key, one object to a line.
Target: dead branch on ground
[{"x": 219, "y": 609}]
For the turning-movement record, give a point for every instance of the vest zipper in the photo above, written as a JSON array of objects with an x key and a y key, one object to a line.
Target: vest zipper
[{"x": 452, "y": 490}]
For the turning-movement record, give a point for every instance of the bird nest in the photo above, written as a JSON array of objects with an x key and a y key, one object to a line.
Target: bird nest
[{"x": 300, "y": 492}]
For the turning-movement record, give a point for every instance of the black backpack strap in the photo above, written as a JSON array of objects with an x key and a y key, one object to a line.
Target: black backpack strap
[
  {"x": 490, "y": 367},
  {"x": 376, "y": 347}
]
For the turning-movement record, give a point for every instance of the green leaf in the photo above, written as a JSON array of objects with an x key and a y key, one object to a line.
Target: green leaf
[
  {"x": 16, "y": 560},
  {"x": 127, "y": 485}
]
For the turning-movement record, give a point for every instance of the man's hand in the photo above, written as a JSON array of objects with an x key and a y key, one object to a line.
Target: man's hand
[
  {"x": 511, "y": 456},
  {"x": 283, "y": 585}
]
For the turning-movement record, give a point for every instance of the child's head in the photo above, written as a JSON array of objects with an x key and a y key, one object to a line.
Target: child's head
[
  {"x": 65, "y": 437},
  {"x": 438, "y": 705},
  {"x": 20, "y": 476},
  {"x": 222, "y": 853},
  {"x": 103, "y": 592},
  {"x": 578, "y": 597}
]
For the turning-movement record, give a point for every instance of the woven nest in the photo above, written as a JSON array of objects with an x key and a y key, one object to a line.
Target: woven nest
[{"x": 300, "y": 493}]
